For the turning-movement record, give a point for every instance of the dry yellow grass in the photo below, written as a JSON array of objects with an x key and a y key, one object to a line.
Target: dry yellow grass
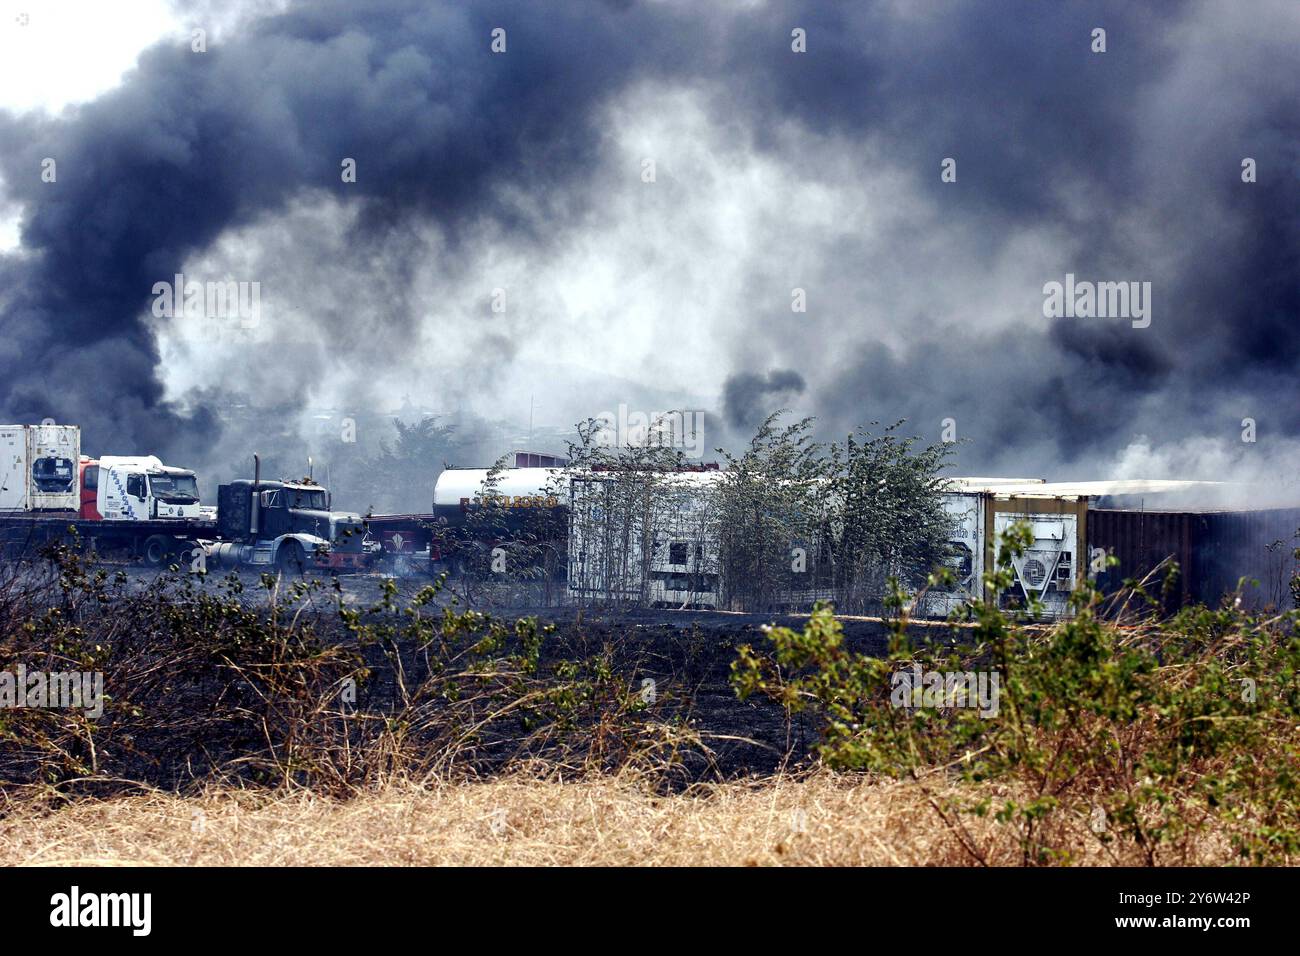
[{"x": 817, "y": 820}]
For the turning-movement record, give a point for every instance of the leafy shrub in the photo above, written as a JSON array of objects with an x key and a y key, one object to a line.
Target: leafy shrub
[{"x": 1155, "y": 732}]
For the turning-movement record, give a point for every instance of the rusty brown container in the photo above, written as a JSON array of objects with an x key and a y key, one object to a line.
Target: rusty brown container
[{"x": 1219, "y": 553}]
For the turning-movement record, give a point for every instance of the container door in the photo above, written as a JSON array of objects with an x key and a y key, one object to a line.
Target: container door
[
  {"x": 53, "y": 453},
  {"x": 113, "y": 504},
  {"x": 13, "y": 469}
]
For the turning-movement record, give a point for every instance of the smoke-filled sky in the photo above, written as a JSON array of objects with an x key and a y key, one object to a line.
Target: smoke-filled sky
[{"x": 501, "y": 245}]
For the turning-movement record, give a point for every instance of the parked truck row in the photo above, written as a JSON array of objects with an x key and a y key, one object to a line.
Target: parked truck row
[{"x": 139, "y": 508}]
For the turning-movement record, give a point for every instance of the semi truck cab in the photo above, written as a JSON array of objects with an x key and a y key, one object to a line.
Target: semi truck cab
[
  {"x": 118, "y": 488},
  {"x": 289, "y": 525}
]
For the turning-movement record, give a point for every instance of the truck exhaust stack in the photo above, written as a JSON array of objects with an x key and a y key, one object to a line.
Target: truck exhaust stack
[{"x": 256, "y": 501}]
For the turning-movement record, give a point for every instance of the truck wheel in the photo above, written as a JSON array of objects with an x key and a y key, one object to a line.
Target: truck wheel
[
  {"x": 157, "y": 550},
  {"x": 290, "y": 559}
]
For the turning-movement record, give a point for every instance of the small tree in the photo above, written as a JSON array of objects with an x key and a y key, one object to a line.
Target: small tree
[
  {"x": 771, "y": 514},
  {"x": 626, "y": 506},
  {"x": 890, "y": 519},
  {"x": 403, "y": 473},
  {"x": 799, "y": 521}
]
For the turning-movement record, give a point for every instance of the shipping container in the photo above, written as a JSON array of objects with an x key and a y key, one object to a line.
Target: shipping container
[
  {"x": 1050, "y": 569},
  {"x": 1155, "y": 547},
  {"x": 39, "y": 468},
  {"x": 968, "y": 512},
  {"x": 1256, "y": 545},
  {"x": 1214, "y": 552},
  {"x": 533, "y": 459}
]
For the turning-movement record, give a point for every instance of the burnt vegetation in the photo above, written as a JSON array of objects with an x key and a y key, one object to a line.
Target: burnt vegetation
[
  {"x": 1146, "y": 738},
  {"x": 287, "y": 684}
]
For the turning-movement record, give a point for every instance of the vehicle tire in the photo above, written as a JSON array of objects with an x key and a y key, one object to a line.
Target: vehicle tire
[
  {"x": 291, "y": 560},
  {"x": 157, "y": 551}
]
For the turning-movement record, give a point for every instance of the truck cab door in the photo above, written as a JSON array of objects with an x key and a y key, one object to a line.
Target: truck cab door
[
  {"x": 90, "y": 491},
  {"x": 138, "y": 493},
  {"x": 273, "y": 513}
]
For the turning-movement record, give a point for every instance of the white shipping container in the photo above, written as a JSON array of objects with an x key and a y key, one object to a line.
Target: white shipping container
[
  {"x": 661, "y": 549},
  {"x": 38, "y": 468},
  {"x": 968, "y": 541}
]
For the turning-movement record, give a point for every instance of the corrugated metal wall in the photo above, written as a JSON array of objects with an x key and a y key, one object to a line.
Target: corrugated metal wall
[
  {"x": 1213, "y": 550},
  {"x": 1252, "y": 544},
  {"x": 1140, "y": 541}
]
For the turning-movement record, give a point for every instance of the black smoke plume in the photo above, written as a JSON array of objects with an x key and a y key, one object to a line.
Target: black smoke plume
[{"x": 1123, "y": 165}]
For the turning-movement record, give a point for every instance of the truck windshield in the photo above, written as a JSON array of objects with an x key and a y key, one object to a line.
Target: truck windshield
[
  {"x": 307, "y": 499},
  {"x": 174, "y": 487}
]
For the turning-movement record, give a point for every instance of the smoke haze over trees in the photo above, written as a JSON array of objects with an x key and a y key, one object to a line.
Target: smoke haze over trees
[{"x": 775, "y": 171}]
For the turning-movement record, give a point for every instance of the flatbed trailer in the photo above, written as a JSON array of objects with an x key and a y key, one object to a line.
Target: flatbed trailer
[
  {"x": 156, "y": 542},
  {"x": 276, "y": 534},
  {"x": 139, "y": 508}
]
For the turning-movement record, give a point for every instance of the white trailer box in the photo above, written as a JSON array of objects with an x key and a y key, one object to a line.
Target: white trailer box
[
  {"x": 38, "y": 468},
  {"x": 645, "y": 538}
]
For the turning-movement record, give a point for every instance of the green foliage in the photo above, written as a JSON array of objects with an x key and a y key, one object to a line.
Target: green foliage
[
  {"x": 771, "y": 500},
  {"x": 629, "y": 503},
  {"x": 1155, "y": 732},
  {"x": 504, "y": 543},
  {"x": 889, "y": 519},
  {"x": 409, "y": 465},
  {"x": 798, "y": 520}
]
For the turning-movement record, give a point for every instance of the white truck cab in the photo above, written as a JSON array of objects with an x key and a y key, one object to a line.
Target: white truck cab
[{"x": 142, "y": 489}]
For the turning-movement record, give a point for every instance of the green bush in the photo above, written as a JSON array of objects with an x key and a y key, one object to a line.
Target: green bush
[{"x": 1155, "y": 733}]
